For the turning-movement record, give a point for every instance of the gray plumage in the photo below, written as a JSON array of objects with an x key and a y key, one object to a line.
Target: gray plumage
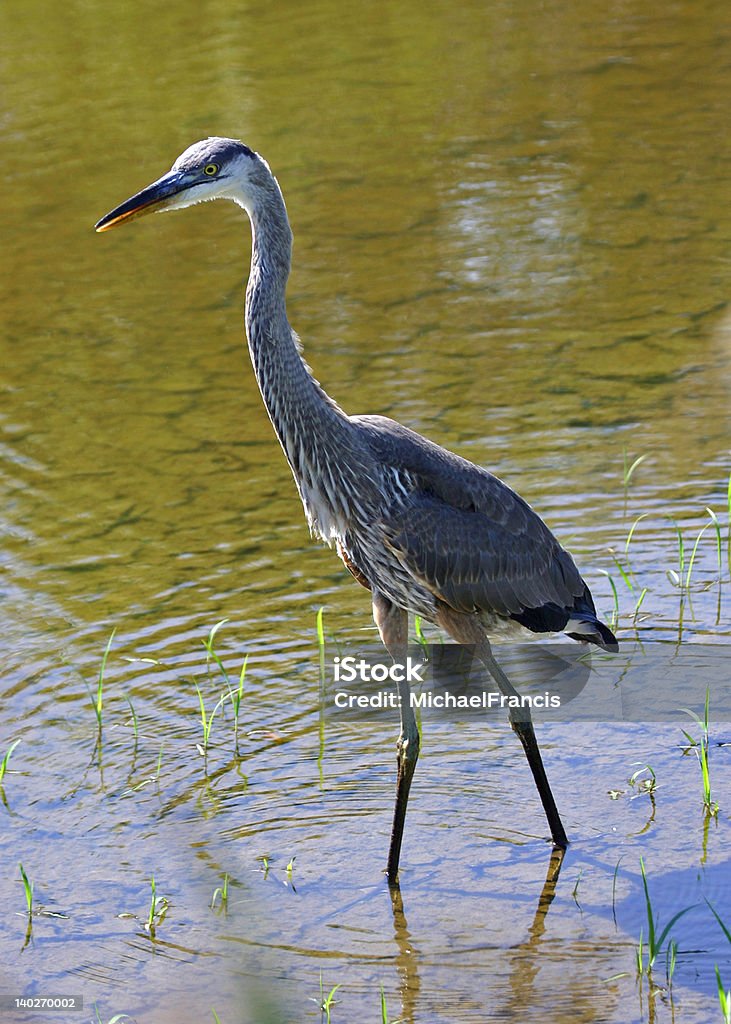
[{"x": 425, "y": 530}]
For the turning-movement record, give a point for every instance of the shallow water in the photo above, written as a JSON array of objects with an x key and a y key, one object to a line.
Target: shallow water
[{"x": 512, "y": 233}]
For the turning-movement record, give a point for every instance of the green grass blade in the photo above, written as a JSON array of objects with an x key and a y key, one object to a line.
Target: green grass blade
[
  {"x": 650, "y": 916},
  {"x": 151, "y": 914},
  {"x": 612, "y": 584},
  {"x": 212, "y": 654},
  {"x": 717, "y": 531},
  {"x": 28, "y": 889},
  {"x": 6, "y": 759},
  {"x": 204, "y": 718},
  {"x": 671, "y": 922},
  {"x": 419, "y": 633},
  {"x": 691, "y": 561},
  {"x": 135, "y": 723},
  {"x": 724, "y": 998},
  {"x": 624, "y": 574},
  {"x": 628, "y": 471},
  {"x": 237, "y": 696},
  {"x": 99, "y": 701},
  {"x": 640, "y": 956},
  {"x": 614, "y": 891},
  {"x": 671, "y": 957},
  {"x": 212, "y": 634},
  {"x": 240, "y": 688},
  {"x": 634, "y": 526},
  {"x": 725, "y": 930},
  {"x": 640, "y": 599},
  {"x": 696, "y": 718},
  {"x": 681, "y": 548}
]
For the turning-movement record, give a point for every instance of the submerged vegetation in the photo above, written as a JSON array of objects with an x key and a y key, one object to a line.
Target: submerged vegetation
[
  {"x": 655, "y": 940},
  {"x": 326, "y": 1001},
  {"x": 640, "y": 583},
  {"x": 221, "y": 893},
  {"x": 701, "y": 749},
  {"x": 159, "y": 906}
]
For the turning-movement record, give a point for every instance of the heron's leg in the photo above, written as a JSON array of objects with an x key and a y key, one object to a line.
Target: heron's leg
[
  {"x": 522, "y": 725},
  {"x": 466, "y": 629},
  {"x": 393, "y": 625}
]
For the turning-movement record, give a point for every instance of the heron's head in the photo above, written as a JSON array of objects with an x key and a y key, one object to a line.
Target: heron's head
[{"x": 212, "y": 169}]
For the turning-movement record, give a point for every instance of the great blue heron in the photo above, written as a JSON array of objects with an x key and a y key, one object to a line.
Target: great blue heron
[{"x": 423, "y": 529}]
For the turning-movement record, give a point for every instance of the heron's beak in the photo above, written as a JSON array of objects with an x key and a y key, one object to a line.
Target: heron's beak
[{"x": 155, "y": 197}]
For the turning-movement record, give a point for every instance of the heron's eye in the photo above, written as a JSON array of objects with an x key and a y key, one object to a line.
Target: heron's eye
[{"x": 211, "y": 169}]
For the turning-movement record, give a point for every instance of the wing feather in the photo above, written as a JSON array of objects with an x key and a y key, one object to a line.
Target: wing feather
[
  {"x": 467, "y": 536},
  {"x": 475, "y": 562}
]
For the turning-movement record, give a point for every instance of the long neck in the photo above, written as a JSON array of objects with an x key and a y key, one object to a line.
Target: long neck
[{"x": 314, "y": 432}]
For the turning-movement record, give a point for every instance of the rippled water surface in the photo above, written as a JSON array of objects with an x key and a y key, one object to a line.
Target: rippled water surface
[{"x": 513, "y": 233}]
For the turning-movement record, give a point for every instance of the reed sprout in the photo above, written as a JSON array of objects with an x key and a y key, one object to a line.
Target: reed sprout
[
  {"x": 701, "y": 749},
  {"x": 6, "y": 760},
  {"x": 654, "y": 940}
]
